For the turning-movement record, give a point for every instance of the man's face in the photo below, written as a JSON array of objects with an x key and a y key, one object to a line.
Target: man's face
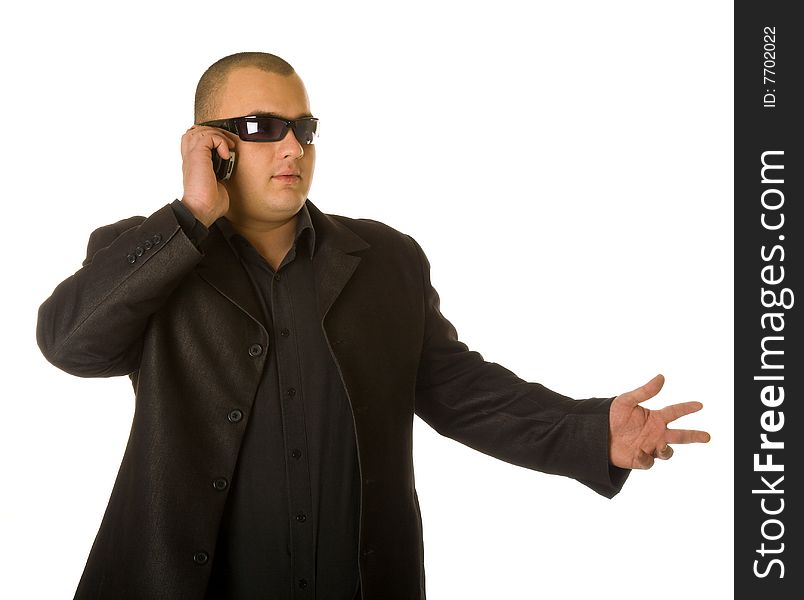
[{"x": 256, "y": 193}]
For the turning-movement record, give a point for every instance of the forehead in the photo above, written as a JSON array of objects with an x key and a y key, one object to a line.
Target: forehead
[{"x": 249, "y": 90}]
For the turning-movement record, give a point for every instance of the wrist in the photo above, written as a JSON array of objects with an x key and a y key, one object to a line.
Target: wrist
[
  {"x": 192, "y": 227},
  {"x": 205, "y": 217}
]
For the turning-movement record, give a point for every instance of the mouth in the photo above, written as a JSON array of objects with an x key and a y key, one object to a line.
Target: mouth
[{"x": 287, "y": 178}]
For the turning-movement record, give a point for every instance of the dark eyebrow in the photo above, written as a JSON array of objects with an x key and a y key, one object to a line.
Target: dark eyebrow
[{"x": 262, "y": 113}]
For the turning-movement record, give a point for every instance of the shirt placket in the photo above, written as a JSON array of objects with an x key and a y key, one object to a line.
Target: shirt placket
[{"x": 291, "y": 400}]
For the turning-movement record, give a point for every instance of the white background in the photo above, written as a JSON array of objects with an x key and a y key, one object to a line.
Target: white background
[{"x": 567, "y": 168}]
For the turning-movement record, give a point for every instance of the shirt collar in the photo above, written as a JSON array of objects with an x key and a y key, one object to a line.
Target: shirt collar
[{"x": 303, "y": 223}]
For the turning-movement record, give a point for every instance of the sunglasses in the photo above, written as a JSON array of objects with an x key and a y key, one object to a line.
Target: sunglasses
[{"x": 268, "y": 129}]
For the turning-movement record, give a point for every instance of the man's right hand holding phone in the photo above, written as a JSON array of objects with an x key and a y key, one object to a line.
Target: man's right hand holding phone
[{"x": 205, "y": 196}]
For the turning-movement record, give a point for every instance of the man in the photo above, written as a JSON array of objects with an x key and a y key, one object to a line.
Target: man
[{"x": 278, "y": 355}]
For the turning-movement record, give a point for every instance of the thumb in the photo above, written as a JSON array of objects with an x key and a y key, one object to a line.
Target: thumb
[{"x": 647, "y": 391}]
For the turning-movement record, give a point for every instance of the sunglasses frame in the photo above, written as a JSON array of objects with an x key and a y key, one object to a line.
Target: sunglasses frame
[{"x": 232, "y": 126}]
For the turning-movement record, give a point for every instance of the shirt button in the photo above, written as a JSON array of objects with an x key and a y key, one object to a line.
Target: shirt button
[
  {"x": 235, "y": 416},
  {"x": 255, "y": 350},
  {"x": 302, "y": 583},
  {"x": 220, "y": 483},
  {"x": 277, "y": 277},
  {"x": 296, "y": 453},
  {"x": 200, "y": 557},
  {"x": 291, "y": 392},
  {"x": 301, "y": 517},
  {"x": 285, "y": 332}
]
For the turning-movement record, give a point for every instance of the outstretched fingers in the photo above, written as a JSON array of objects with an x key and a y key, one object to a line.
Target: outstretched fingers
[
  {"x": 674, "y": 411},
  {"x": 686, "y": 436},
  {"x": 647, "y": 391},
  {"x": 682, "y": 436}
]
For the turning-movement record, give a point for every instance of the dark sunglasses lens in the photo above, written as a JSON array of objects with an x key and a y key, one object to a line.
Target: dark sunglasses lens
[
  {"x": 262, "y": 129},
  {"x": 306, "y": 131}
]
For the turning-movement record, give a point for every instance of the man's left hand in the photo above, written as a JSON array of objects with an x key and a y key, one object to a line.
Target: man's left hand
[{"x": 638, "y": 435}]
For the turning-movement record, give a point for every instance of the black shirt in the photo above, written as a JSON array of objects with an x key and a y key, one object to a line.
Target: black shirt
[{"x": 290, "y": 526}]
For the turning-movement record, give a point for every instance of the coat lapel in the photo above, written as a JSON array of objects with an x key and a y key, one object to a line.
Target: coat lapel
[
  {"x": 221, "y": 268},
  {"x": 333, "y": 265}
]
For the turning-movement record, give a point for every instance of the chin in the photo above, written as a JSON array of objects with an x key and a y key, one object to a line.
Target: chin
[{"x": 286, "y": 202}]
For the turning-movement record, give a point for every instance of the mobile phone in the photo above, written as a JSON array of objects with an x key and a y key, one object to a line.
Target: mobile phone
[{"x": 223, "y": 168}]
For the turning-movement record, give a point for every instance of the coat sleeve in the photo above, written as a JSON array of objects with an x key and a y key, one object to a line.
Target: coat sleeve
[
  {"x": 487, "y": 407},
  {"x": 92, "y": 324}
]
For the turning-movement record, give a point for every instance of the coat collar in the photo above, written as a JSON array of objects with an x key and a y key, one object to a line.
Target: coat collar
[{"x": 333, "y": 263}]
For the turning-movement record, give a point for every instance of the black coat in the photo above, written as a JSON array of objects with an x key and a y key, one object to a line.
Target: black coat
[{"x": 181, "y": 320}]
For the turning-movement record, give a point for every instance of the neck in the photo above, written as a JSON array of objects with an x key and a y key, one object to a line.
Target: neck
[{"x": 271, "y": 239}]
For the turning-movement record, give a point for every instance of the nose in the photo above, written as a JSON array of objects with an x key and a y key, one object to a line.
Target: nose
[{"x": 290, "y": 146}]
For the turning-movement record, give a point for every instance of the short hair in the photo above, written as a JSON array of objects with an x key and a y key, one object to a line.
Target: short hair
[{"x": 214, "y": 78}]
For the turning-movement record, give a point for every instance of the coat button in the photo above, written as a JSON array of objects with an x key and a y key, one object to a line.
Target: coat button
[
  {"x": 255, "y": 350},
  {"x": 200, "y": 557},
  {"x": 147, "y": 244},
  {"x": 301, "y": 517},
  {"x": 139, "y": 251},
  {"x": 156, "y": 239},
  {"x": 235, "y": 415},
  {"x": 131, "y": 259},
  {"x": 220, "y": 483}
]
